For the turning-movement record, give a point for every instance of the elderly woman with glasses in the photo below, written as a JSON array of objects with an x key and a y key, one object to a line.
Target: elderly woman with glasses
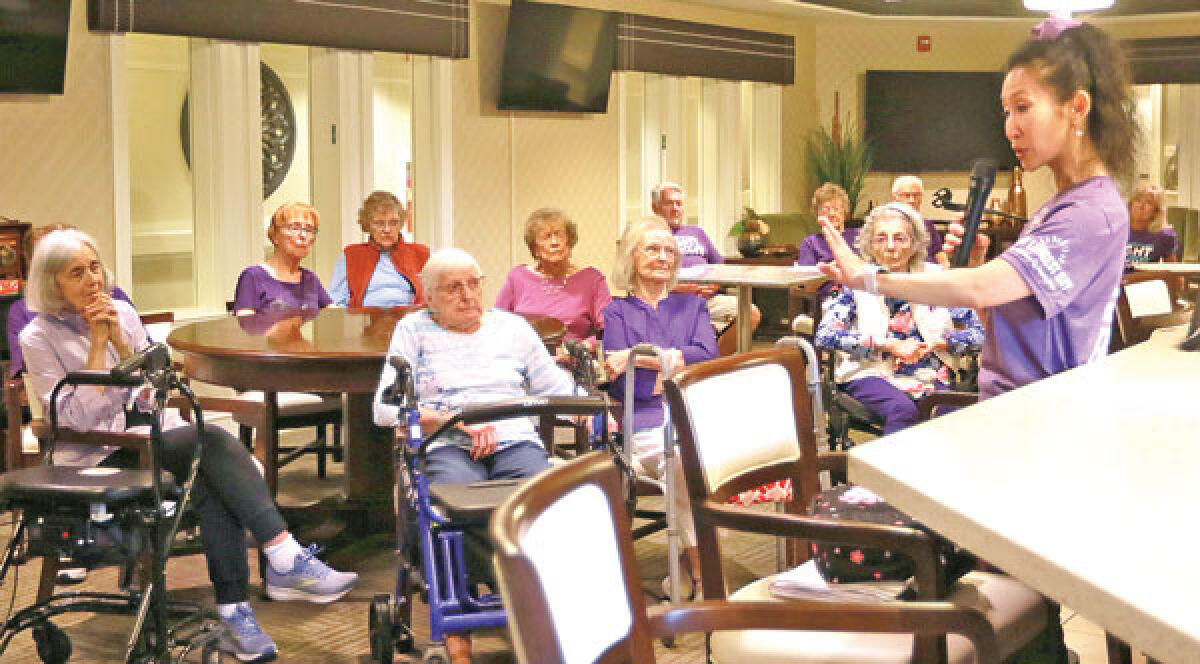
[
  {"x": 80, "y": 325},
  {"x": 647, "y": 268},
  {"x": 462, "y": 354},
  {"x": 362, "y": 278},
  {"x": 279, "y": 283},
  {"x": 893, "y": 351},
  {"x": 555, "y": 286}
]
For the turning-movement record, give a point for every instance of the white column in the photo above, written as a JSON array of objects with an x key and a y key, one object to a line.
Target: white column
[
  {"x": 766, "y": 156},
  {"x": 721, "y": 164},
  {"x": 1189, "y": 145},
  {"x": 433, "y": 143},
  {"x": 119, "y": 126},
  {"x": 342, "y": 147},
  {"x": 226, "y": 166}
]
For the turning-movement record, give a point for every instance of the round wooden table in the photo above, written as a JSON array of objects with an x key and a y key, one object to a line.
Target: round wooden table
[{"x": 334, "y": 350}]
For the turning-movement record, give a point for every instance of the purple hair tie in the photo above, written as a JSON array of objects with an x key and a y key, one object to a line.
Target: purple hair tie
[{"x": 1054, "y": 26}]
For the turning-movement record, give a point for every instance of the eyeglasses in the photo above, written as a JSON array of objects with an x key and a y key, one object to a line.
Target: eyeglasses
[
  {"x": 900, "y": 240},
  {"x": 653, "y": 250},
  {"x": 381, "y": 224},
  {"x": 297, "y": 229},
  {"x": 462, "y": 288}
]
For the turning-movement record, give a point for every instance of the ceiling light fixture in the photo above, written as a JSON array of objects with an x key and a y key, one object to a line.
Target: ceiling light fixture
[{"x": 1066, "y": 7}]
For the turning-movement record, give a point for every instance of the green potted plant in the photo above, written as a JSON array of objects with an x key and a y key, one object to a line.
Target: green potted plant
[
  {"x": 843, "y": 158},
  {"x": 751, "y": 233}
]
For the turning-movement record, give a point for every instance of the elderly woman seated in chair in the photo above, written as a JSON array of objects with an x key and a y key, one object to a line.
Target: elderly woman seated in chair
[
  {"x": 462, "y": 354},
  {"x": 81, "y": 326},
  {"x": 381, "y": 272},
  {"x": 647, "y": 267},
  {"x": 891, "y": 351}
]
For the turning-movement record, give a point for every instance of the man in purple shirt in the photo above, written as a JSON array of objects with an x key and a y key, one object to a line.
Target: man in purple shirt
[
  {"x": 666, "y": 200},
  {"x": 909, "y": 189}
]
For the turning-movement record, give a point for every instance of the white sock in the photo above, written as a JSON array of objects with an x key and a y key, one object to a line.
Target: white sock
[
  {"x": 226, "y": 611},
  {"x": 282, "y": 556}
]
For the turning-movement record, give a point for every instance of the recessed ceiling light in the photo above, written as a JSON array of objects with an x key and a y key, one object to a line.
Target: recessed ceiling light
[{"x": 1067, "y": 6}]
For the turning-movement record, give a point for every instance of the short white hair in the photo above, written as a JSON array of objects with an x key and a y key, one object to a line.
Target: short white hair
[
  {"x": 625, "y": 271},
  {"x": 51, "y": 255},
  {"x": 916, "y": 229},
  {"x": 657, "y": 192},
  {"x": 905, "y": 180},
  {"x": 443, "y": 261}
]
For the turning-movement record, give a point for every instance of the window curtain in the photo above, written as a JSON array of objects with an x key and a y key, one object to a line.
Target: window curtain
[
  {"x": 1164, "y": 60},
  {"x": 426, "y": 27}
]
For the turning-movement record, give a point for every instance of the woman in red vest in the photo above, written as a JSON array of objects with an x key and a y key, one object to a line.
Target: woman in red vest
[{"x": 361, "y": 279}]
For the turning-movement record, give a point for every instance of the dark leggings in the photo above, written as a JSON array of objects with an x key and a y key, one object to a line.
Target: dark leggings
[{"x": 229, "y": 496}]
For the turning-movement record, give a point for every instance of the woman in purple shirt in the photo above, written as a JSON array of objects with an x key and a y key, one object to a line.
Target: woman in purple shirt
[
  {"x": 647, "y": 268},
  {"x": 1150, "y": 240},
  {"x": 280, "y": 283},
  {"x": 829, "y": 202},
  {"x": 554, "y": 286},
  {"x": 1050, "y": 297}
]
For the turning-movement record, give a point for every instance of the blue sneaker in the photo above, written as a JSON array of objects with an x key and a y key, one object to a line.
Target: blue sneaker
[
  {"x": 244, "y": 639},
  {"x": 310, "y": 579}
]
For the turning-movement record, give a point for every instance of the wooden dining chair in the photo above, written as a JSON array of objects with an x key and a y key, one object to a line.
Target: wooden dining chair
[
  {"x": 761, "y": 401},
  {"x": 1144, "y": 303}
]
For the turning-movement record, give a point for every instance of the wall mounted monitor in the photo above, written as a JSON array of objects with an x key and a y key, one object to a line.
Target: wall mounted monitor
[
  {"x": 33, "y": 45},
  {"x": 558, "y": 58}
]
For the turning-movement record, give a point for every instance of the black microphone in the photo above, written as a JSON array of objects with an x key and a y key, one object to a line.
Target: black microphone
[{"x": 983, "y": 176}]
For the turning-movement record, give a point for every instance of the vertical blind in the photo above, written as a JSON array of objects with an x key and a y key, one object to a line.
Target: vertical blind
[
  {"x": 683, "y": 48},
  {"x": 427, "y": 27}
]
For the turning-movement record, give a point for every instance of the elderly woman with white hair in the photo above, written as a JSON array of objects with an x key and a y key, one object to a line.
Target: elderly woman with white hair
[
  {"x": 893, "y": 351},
  {"x": 81, "y": 326},
  {"x": 647, "y": 268},
  {"x": 462, "y": 354}
]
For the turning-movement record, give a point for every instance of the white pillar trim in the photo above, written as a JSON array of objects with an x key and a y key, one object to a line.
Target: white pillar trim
[
  {"x": 226, "y": 166},
  {"x": 433, "y": 150},
  {"x": 118, "y": 98},
  {"x": 766, "y": 154},
  {"x": 1189, "y": 145}
]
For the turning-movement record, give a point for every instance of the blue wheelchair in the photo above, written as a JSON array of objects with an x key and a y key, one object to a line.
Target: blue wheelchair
[{"x": 432, "y": 524}]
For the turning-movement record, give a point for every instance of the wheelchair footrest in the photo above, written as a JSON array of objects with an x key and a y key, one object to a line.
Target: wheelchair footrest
[{"x": 471, "y": 503}]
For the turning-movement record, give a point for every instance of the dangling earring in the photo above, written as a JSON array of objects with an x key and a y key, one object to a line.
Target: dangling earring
[{"x": 1079, "y": 133}]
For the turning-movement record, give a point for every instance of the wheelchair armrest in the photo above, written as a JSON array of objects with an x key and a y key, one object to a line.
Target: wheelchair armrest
[
  {"x": 472, "y": 503},
  {"x": 928, "y": 404}
]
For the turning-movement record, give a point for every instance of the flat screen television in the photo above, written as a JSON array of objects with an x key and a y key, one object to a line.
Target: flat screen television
[
  {"x": 558, "y": 58},
  {"x": 935, "y": 120},
  {"x": 33, "y": 45}
]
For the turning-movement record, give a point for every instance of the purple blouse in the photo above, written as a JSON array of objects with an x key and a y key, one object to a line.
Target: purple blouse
[
  {"x": 19, "y": 316},
  {"x": 695, "y": 248},
  {"x": 1150, "y": 246},
  {"x": 258, "y": 290},
  {"x": 578, "y": 301},
  {"x": 1070, "y": 254},
  {"x": 815, "y": 249},
  {"x": 681, "y": 321}
]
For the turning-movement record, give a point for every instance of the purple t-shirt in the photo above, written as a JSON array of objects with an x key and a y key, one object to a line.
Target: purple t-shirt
[
  {"x": 1150, "y": 246},
  {"x": 19, "y": 316},
  {"x": 578, "y": 301},
  {"x": 258, "y": 290},
  {"x": 815, "y": 249},
  {"x": 695, "y": 248},
  {"x": 1070, "y": 255},
  {"x": 681, "y": 321}
]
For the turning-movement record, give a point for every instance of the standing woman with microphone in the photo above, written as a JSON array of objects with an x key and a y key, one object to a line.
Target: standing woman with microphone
[{"x": 1047, "y": 302}]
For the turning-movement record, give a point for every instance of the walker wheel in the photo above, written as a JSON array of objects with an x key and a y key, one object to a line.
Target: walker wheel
[
  {"x": 211, "y": 654},
  {"x": 402, "y": 634},
  {"x": 380, "y": 629},
  {"x": 53, "y": 644}
]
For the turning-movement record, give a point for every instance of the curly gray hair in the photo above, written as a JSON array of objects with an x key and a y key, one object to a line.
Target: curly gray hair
[{"x": 916, "y": 229}]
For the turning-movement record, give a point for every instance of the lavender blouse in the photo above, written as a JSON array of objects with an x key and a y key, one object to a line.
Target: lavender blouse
[
  {"x": 258, "y": 290},
  {"x": 578, "y": 301}
]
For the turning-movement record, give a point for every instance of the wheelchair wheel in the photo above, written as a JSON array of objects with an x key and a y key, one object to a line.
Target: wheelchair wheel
[
  {"x": 380, "y": 629},
  {"x": 436, "y": 654},
  {"x": 53, "y": 644}
]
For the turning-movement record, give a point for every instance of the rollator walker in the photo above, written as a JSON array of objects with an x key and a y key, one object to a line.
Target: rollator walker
[
  {"x": 432, "y": 523},
  {"x": 97, "y": 515}
]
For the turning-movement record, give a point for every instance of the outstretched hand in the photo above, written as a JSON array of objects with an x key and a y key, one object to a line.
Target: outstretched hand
[{"x": 847, "y": 267}]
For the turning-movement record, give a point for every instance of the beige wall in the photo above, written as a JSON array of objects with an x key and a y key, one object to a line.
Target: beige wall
[{"x": 56, "y": 155}]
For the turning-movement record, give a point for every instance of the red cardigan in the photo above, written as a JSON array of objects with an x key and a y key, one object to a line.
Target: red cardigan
[{"x": 362, "y": 258}]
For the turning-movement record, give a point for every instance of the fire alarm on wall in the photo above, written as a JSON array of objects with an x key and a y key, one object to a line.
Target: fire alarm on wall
[{"x": 924, "y": 43}]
